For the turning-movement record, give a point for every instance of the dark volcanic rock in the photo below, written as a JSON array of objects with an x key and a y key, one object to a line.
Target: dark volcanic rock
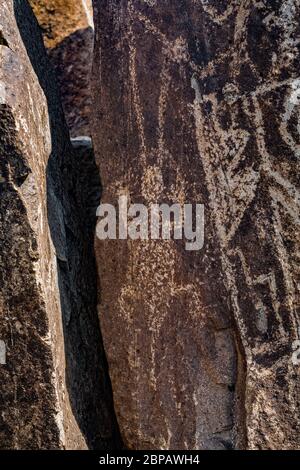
[
  {"x": 55, "y": 391},
  {"x": 72, "y": 62},
  {"x": 67, "y": 27},
  {"x": 198, "y": 102}
]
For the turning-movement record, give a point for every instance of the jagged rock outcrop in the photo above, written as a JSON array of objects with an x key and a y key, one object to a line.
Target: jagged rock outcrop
[
  {"x": 55, "y": 391},
  {"x": 68, "y": 31},
  {"x": 198, "y": 102}
]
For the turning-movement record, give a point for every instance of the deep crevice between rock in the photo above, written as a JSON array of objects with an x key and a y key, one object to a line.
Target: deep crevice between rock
[{"x": 76, "y": 185}]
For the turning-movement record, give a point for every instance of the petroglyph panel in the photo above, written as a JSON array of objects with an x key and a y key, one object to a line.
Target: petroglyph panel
[{"x": 198, "y": 101}]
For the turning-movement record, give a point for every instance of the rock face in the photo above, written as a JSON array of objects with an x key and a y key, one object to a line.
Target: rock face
[
  {"x": 68, "y": 32},
  {"x": 55, "y": 391},
  {"x": 198, "y": 102}
]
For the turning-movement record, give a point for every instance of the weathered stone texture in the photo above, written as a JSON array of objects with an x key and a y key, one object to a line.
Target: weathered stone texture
[
  {"x": 55, "y": 391},
  {"x": 198, "y": 101},
  {"x": 31, "y": 380},
  {"x": 72, "y": 62},
  {"x": 60, "y": 18},
  {"x": 68, "y": 32}
]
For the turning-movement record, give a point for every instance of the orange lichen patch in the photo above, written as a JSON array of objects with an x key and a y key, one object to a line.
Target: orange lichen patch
[{"x": 60, "y": 18}]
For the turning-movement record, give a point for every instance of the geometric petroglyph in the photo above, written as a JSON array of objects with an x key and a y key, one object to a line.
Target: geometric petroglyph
[{"x": 219, "y": 121}]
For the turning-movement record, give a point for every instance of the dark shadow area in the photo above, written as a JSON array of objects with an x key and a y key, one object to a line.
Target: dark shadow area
[
  {"x": 73, "y": 78},
  {"x": 73, "y": 193}
]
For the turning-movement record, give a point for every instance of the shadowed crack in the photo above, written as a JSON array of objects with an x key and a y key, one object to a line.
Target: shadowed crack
[{"x": 72, "y": 182}]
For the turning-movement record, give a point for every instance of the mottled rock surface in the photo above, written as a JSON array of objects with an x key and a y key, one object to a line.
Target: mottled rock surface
[
  {"x": 32, "y": 379},
  {"x": 60, "y": 18},
  {"x": 55, "y": 391},
  {"x": 198, "y": 101},
  {"x": 67, "y": 27}
]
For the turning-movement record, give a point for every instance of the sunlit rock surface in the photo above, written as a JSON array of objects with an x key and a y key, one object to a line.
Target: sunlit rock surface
[
  {"x": 54, "y": 388},
  {"x": 67, "y": 27}
]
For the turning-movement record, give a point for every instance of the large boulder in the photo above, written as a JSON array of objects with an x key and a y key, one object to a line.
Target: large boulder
[
  {"x": 68, "y": 31},
  {"x": 198, "y": 102},
  {"x": 55, "y": 391}
]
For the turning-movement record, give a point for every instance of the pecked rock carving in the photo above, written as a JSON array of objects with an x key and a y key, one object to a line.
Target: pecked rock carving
[
  {"x": 198, "y": 101},
  {"x": 194, "y": 101}
]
